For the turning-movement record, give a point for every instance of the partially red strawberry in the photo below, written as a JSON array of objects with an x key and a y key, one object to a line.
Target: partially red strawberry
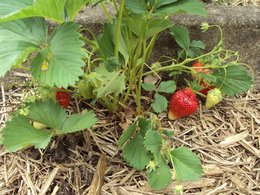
[
  {"x": 63, "y": 98},
  {"x": 197, "y": 68},
  {"x": 206, "y": 88},
  {"x": 183, "y": 103}
]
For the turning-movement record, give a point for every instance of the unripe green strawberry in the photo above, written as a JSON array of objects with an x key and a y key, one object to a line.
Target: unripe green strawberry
[
  {"x": 213, "y": 98},
  {"x": 37, "y": 125}
]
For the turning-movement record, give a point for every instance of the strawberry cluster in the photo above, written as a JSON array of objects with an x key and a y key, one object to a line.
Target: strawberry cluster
[{"x": 184, "y": 102}]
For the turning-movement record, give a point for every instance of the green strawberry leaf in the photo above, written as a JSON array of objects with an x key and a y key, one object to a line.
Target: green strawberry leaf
[
  {"x": 63, "y": 64},
  {"x": 181, "y": 35},
  {"x": 135, "y": 153},
  {"x": 198, "y": 44},
  {"x": 127, "y": 134},
  {"x": 78, "y": 122},
  {"x": 111, "y": 64},
  {"x": 110, "y": 82},
  {"x": 233, "y": 80},
  {"x": 19, "y": 133},
  {"x": 145, "y": 125},
  {"x": 160, "y": 177},
  {"x": 48, "y": 113},
  {"x": 11, "y": 10},
  {"x": 167, "y": 87},
  {"x": 168, "y": 133},
  {"x": 18, "y": 39},
  {"x": 60, "y": 11},
  {"x": 186, "y": 6},
  {"x": 156, "y": 26},
  {"x": 72, "y": 8},
  {"x": 160, "y": 103},
  {"x": 148, "y": 87},
  {"x": 153, "y": 143},
  {"x": 106, "y": 42},
  {"x": 54, "y": 116},
  {"x": 186, "y": 164},
  {"x": 160, "y": 3},
  {"x": 136, "y": 6}
]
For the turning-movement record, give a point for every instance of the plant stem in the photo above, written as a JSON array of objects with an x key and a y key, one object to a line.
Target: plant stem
[
  {"x": 108, "y": 15},
  {"x": 174, "y": 66},
  {"x": 115, "y": 5},
  {"x": 118, "y": 28}
]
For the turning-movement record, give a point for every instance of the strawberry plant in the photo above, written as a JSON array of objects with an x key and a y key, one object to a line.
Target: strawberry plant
[{"x": 109, "y": 70}]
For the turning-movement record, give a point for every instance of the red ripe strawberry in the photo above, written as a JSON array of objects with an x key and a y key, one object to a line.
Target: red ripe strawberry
[
  {"x": 198, "y": 67},
  {"x": 183, "y": 103},
  {"x": 206, "y": 88},
  {"x": 63, "y": 98}
]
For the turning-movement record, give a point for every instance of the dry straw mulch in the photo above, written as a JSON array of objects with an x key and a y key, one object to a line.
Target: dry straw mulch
[{"x": 226, "y": 139}]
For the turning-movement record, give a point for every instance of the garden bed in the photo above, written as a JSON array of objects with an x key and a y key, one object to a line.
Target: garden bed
[{"x": 225, "y": 138}]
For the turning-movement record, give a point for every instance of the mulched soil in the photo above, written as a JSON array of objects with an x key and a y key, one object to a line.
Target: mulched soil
[{"x": 226, "y": 139}]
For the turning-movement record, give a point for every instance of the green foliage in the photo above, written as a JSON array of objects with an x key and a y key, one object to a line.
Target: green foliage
[
  {"x": 9, "y": 8},
  {"x": 132, "y": 143},
  {"x": 144, "y": 146},
  {"x": 72, "y": 7},
  {"x": 136, "y": 6},
  {"x": 153, "y": 143},
  {"x": 148, "y": 87},
  {"x": 167, "y": 87},
  {"x": 78, "y": 122},
  {"x": 186, "y": 164},
  {"x": 109, "y": 82},
  {"x": 161, "y": 3},
  {"x": 116, "y": 65},
  {"x": 191, "y": 48},
  {"x": 156, "y": 26},
  {"x": 127, "y": 134},
  {"x": 106, "y": 42},
  {"x": 58, "y": 10},
  {"x": 18, "y": 39},
  {"x": 168, "y": 133},
  {"x": 160, "y": 103},
  {"x": 111, "y": 64},
  {"x": 62, "y": 57},
  {"x": 135, "y": 153},
  {"x": 186, "y": 6},
  {"x": 62, "y": 63},
  {"x": 19, "y": 132},
  {"x": 167, "y": 7},
  {"x": 160, "y": 177},
  {"x": 47, "y": 113},
  {"x": 233, "y": 80}
]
